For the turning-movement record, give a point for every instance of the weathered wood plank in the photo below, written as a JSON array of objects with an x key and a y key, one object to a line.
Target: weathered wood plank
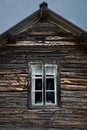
[
  {"x": 13, "y": 88},
  {"x": 76, "y": 94},
  {"x": 74, "y": 99},
  {"x": 75, "y": 105},
  {"x": 74, "y": 81},
  {"x": 74, "y": 87},
  {"x": 14, "y": 83},
  {"x": 9, "y": 71}
]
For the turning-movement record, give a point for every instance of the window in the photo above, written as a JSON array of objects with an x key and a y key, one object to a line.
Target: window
[{"x": 44, "y": 90}]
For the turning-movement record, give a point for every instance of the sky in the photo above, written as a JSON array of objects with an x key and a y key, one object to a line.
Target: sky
[{"x": 14, "y": 11}]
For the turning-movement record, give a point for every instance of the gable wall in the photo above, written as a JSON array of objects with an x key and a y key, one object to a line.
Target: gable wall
[{"x": 14, "y": 83}]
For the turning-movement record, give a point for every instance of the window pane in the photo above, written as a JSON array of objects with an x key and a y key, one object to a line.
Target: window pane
[
  {"x": 50, "y": 97},
  {"x": 38, "y": 97},
  {"x": 49, "y": 84},
  {"x": 38, "y": 84},
  {"x": 50, "y": 70},
  {"x": 36, "y": 70}
]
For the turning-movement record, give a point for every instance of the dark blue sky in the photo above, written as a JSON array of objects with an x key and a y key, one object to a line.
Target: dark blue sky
[{"x": 13, "y": 11}]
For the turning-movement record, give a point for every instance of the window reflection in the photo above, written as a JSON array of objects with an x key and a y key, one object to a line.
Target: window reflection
[
  {"x": 50, "y": 97},
  {"x": 49, "y": 84},
  {"x": 38, "y": 97},
  {"x": 38, "y": 84}
]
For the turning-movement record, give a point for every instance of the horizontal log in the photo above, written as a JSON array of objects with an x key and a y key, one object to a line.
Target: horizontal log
[
  {"x": 74, "y": 75},
  {"x": 75, "y": 56},
  {"x": 73, "y": 87},
  {"x": 16, "y": 102},
  {"x": 74, "y": 99},
  {"x": 80, "y": 94},
  {"x": 15, "y": 47},
  {"x": 76, "y": 70},
  {"x": 40, "y": 42},
  {"x": 12, "y": 71},
  {"x": 20, "y": 105},
  {"x": 13, "y": 66},
  {"x": 74, "y": 65},
  {"x": 74, "y": 61},
  {"x": 14, "y": 94},
  {"x": 73, "y": 81},
  {"x": 12, "y": 83},
  {"x": 12, "y": 76},
  {"x": 13, "y": 88},
  {"x": 75, "y": 106}
]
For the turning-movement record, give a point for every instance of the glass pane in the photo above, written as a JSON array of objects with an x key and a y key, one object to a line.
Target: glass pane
[
  {"x": 36, "y": 70},
  {"x": 50, "y": 97},
  {"x": 50, "y": 70},
  {"x": 38, "y": 84},
  {"x": 38, "y": 97},
  {"x": 49, "y": 84}
]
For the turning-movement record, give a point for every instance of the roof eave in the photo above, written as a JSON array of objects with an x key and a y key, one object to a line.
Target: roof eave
[
  {"x": 20, "y": 26},
  {"x": 65, "y": 23}
]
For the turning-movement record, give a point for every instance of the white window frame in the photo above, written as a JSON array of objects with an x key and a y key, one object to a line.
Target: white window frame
[{"x": 44, "y": 77}]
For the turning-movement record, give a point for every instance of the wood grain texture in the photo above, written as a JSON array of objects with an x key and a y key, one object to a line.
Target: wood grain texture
[{"x": 15, "y": 80}]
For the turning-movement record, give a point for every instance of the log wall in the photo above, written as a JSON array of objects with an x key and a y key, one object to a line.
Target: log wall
[{"x": 14, "y": 82}]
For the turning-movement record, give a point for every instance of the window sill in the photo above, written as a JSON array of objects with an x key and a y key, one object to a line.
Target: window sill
[{"x": 45, "y": 107}]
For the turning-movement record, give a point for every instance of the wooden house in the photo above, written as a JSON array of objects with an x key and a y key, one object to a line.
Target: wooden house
[{"x": 43, "y": 74}]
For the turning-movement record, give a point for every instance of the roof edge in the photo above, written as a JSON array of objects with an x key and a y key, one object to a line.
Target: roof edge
[{"x": 65, "y": 21}]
